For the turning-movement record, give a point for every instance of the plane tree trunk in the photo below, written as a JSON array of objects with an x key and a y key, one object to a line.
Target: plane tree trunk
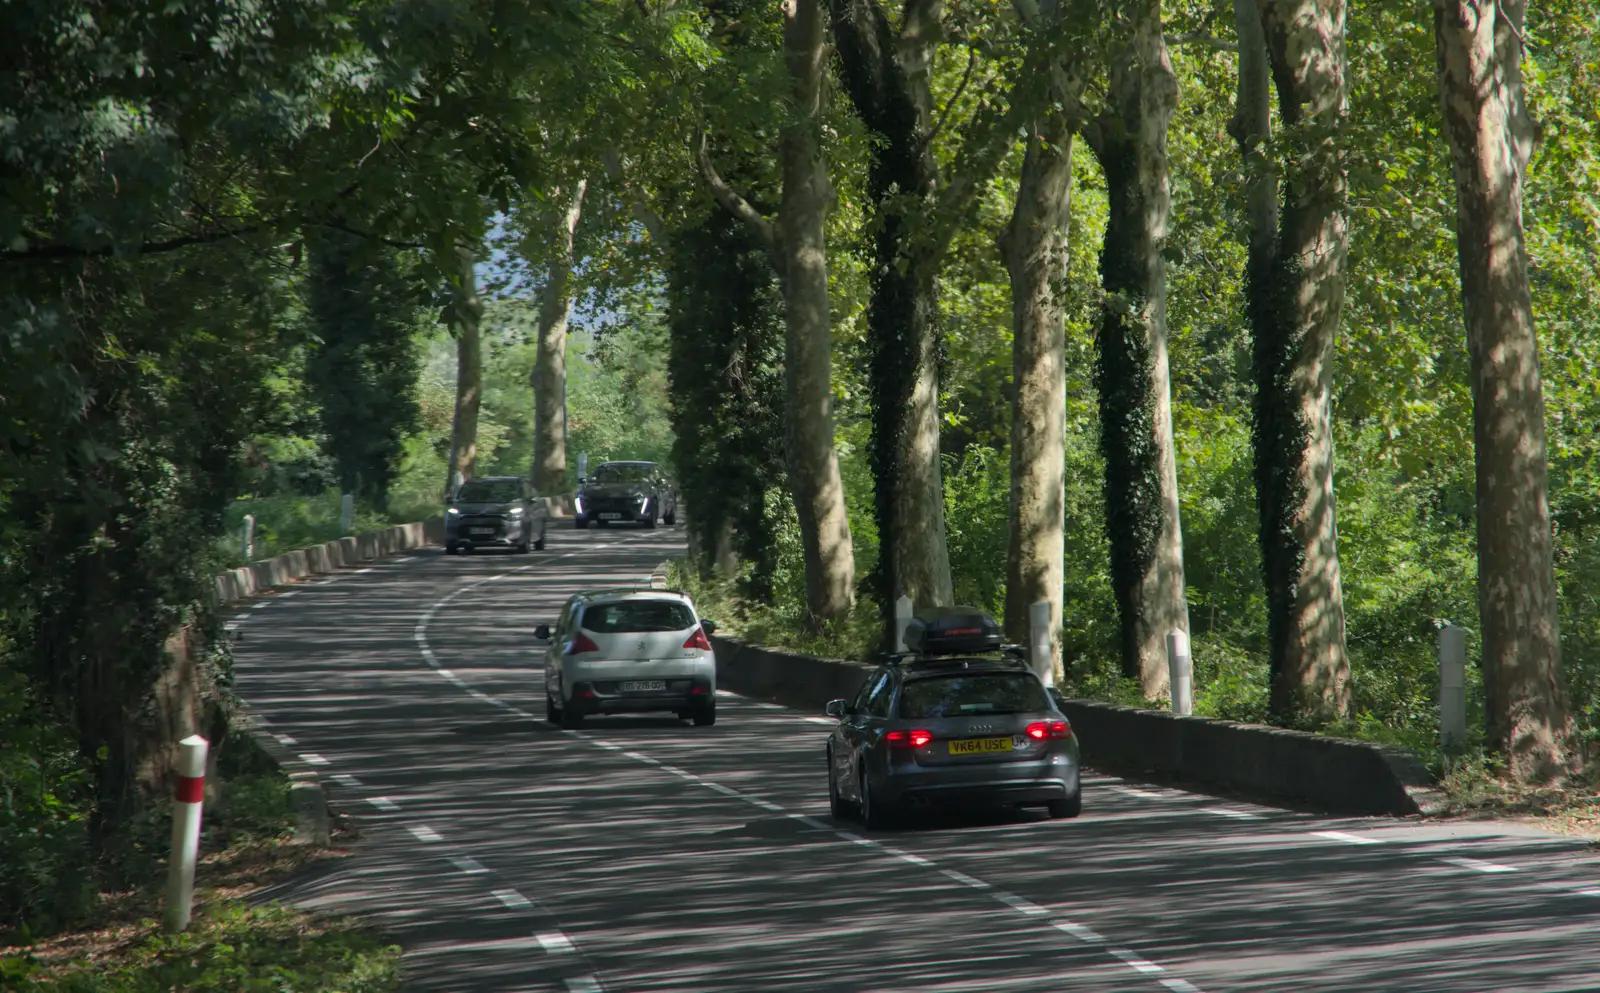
[
  {"x": 1131, "y": 373},
  {"x": 1295, "y": 298},
  {"x": 1489, "y": 132},
  {"x": 549, "y": 375}
]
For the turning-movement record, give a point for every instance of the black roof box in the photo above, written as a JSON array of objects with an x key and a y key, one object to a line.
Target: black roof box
[{"x": 953, "y": 631}]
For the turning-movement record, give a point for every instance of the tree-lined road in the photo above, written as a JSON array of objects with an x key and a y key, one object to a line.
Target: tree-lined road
[{"x": 646, "y": 854}]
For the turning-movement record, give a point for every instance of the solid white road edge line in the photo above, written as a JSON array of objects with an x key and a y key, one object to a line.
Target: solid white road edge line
[{"x": 1017, "y": 903}]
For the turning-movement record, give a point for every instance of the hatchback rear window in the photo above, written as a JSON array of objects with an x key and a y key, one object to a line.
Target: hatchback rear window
[
  {"x": 626, "y": 616},
  {"x": 975, "y": 693}
]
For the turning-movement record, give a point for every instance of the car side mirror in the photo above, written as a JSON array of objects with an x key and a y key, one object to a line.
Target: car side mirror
[
  {"x": 1056, "y": 698},
  {"x": 542, "y": 632},
  {"x": 836, "y": 708},
  {"x": 710, "y": 627},
  {"x": 581, "y": 480}
]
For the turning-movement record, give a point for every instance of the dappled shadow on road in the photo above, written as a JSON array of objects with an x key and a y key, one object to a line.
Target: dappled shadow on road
[{"x": 495, "y": 833}]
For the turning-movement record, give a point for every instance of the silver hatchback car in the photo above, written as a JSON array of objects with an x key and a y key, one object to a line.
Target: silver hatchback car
[
  {"x": 629, "y": 651},
  {"x": 942, "y": 732}
]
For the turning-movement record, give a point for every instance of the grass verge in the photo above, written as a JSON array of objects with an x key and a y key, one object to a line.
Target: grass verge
[{"x": 246, "y": 844}]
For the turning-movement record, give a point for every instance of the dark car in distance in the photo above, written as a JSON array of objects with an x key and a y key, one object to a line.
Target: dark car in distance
[
  {"x": 495, "y": 512},
  {"x": 946, "y": 726},
  {"x": 625, "y": 493}
]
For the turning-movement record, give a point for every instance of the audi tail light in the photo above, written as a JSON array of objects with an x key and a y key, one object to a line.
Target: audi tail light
[
  {"x": 908, "y": 739},
  {"x": 1044, "y": 730}
]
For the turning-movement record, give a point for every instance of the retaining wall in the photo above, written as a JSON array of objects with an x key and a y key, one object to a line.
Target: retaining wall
[
  {"x": 1335, "y": 774},
  {"x": 245, "y": 581}
]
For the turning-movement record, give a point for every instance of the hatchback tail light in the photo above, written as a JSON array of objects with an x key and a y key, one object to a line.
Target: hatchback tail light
[
  {"x": 697, "y": 639},
  {"x": 908, "y": 739},
  {"x": 1041, "y": 730},
  {"x": 582, "y": 643}
]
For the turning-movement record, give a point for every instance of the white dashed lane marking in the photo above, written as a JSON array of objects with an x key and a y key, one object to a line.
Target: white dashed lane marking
[
  {"x": 1349, "y": 839},
  {"x": 1130, "y": 791},
  {"x": 383, "y": 803},
  {"x": 1477, "y": 865},
  {"x": 583, "y": 984},
  {"x": 1238, "y": 815},
  {"x": 468, "y": 865},
  {"x": 512, "y": 899},
  {"x": 347, "y": 780},
  {"x": 423, "y": 832},
  {"x": 313, "y": 758},
  {"x": 284, "y": 739},
  {"x": 555, "y": 943}
]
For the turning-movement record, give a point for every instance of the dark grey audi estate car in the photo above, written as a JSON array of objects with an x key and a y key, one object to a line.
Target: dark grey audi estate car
[{"x": 958, "y": 722}]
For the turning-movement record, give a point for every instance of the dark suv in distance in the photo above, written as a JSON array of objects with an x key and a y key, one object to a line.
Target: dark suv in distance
[
  {"x": 495, "y": 512},
  {"x": 625, "y": 493}
]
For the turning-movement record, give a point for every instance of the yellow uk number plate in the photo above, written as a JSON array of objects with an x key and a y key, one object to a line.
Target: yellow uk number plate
[{"x": 979, "y": 746}]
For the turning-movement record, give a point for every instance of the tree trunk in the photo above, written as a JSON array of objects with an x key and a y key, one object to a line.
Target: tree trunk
[
  {"x": 467, "y": 311},
  {"x": 813, "y": 462},
  {"x": 1131, "y": 373},
  {"x": 1034, "y": 246},
  {"x": 1488, "y": 128},
  {"x": 549, "y": 376},
  {"x": 888, "y": 77},
  {"x": 1295, "y": 315}
]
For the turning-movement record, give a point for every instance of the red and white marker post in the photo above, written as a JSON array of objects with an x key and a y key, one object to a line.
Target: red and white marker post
[{"x": 191, "y": 769}]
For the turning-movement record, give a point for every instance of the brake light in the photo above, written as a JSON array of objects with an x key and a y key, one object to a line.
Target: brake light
[
  {"x": 1040, "y": 730},
  {"x": 582, "y": 643},
  {"x": 698, "y": 640},
  {"x": 908, "y": 739}
]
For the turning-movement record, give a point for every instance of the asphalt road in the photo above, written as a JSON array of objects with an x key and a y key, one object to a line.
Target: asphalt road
[{"x": 646, "y": 854}]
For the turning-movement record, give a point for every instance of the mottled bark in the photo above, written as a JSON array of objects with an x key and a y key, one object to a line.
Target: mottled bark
[
  {"x": 797, "y": 245},
  {"x": 467, "y": 311},
  {"x": 1489, "y": 132},
  {"x": 549, "y": 374},
  {"x": 813, "y": 461},
  {"x": 1034, "y": 246},
  {"x": 1294, "y": 309},
  {"x": 888, "y": 77},
  {"x": 1131, "y": 372}
]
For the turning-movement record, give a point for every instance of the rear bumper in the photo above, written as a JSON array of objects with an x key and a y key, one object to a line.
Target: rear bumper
[
  {"x": 1052, "y": 778},
  {"x": 587, "y": 698}
]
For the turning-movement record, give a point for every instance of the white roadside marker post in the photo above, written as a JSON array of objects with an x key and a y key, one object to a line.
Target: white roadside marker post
[
  {"x": 1180, "y": 672},
  {"x": 902, "y": 619},
  {"x": 186, "y": 801},
  {"x": 1452, "y": 687},
  {"x": 249, "y": 537},
  {"x": 347, "y": 512},
  {"x": 1039, "y": 641}
]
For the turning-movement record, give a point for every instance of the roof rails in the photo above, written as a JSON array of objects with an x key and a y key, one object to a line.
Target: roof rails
[
  {"x": 615, "y": 590},
  {"x": 1015, "y": 654}
]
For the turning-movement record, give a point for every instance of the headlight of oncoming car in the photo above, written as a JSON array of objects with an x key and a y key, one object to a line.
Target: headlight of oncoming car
[
  {"x": 452, "y": 511},
  {"x": 515, "y": 511}
]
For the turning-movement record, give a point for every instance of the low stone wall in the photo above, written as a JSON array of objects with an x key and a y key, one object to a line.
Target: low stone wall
[
  {"x": 1336, "y": 774},
  {"x": 245, "y": 581}
]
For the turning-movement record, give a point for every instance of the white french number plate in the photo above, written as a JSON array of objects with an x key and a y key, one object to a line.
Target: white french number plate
[
  {"x": 483, "y": 530},
  {"x": 644, "y": 686},
  {"x": 610, "y": 517}
]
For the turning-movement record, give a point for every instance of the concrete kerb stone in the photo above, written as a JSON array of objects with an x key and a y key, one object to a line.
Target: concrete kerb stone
[
  {"x": 1338, "y": 774},
  {"x": 313, "y": 823}
]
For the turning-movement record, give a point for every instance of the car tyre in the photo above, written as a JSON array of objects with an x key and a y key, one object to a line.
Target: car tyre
[
  {"x": 543, "y": 530},
  {"x": 552, "y": 710},
  {"x": 451, "y": 550},
  {"x": 1072, "y": 806},
  {"x": 705, "y": 716},
  {"x": 571, "y": 721},
  {"x": 580, "y": 523},
  {"x": 873, "y": 814},
  {"x": 836, "y": 802},
  {"x": 650, "y": 522}
]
